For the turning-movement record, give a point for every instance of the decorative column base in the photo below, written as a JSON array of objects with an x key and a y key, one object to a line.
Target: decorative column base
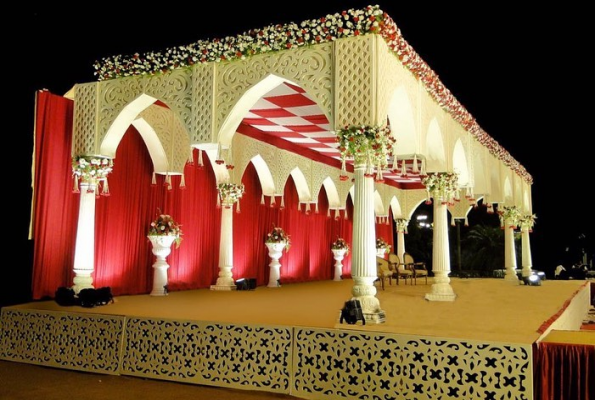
[
  {"x": 225, "y": 280},
  {"x": 82, "y": 280},
  {"x": 511, "y": 276},
  {"x": 441, "y": 289},
  {"x": 365, "y": 291}
]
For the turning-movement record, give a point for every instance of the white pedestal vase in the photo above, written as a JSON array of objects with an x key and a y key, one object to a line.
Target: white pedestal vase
[
  {"x": 338, "y": 255},
  {"x": 161, "y": 249},
  {"x": 381, "y": 253},
  {"x": 275, "y": 252}
]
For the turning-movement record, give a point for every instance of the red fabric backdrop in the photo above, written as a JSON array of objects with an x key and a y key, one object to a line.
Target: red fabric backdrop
[{"x": 123, "y": 258}]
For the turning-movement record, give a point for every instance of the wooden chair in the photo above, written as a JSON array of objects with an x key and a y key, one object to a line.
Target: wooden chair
[
  {"x": 418, "y": 268},
  {"x": 399, "y": 269},
  {"x": 384, "y": 271}
]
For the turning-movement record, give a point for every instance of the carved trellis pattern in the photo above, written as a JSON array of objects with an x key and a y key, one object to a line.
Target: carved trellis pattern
[
  {"x": 354, "y": 100},
  {"x": 240, "y": 356},
  {"x": 84, "y": 342},
  {"x": 83, "y": 140},
  {"x": 202, "y": 103},
  {"x": 339, "y": 364}
]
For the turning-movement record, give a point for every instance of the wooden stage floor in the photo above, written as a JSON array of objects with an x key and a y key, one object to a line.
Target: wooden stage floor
[{"x": 485, "y": 309}]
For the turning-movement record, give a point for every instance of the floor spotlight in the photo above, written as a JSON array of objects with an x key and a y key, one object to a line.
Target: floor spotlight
[{"x": 532, "y": 280}]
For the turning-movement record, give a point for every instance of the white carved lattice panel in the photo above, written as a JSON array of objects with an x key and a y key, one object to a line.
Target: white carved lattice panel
[
  {"x": 113, "y": 96},
  {"x": 339, "y": 364},
  {"x": 85, "y": 108},
  {"x": 175, "y": 90},
  {"x": 413, "y": 198},
  {"x": 353, "y": 81},
  {"x": 309, "y": 67},
  {"x": 202, "y": 103},
  {"x": 162, "y": 349},
  {"x": 83, "y": 342},
  {"x": 245, "y": 356}
]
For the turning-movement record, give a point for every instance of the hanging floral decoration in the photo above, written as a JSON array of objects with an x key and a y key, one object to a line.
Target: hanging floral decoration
[
  {"x": 278, "y": 235},
  {"x": 340, "y": 244},
  {"x": 164, "y": 225},
  {"x": 92, "y": 170},
  {"x": 442, "y": 186},
  {"x": 401, "y": 224},
  {"x": 528, "y": 221},
  {"x": 229, "y": 193},
  {"x": 510, "y": 215},
  {"x": 371, "y": 145},
  {"x": 349, "y": 23},
  {"x": 381, "y": 244}
]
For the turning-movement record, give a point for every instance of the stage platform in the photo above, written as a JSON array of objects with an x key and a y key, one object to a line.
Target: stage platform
[{"x": 289, "y": 339}]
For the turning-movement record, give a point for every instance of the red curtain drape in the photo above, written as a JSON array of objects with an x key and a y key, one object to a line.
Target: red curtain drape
[
  {"x": 564, "y": 371},
  {"x": 123, "y": 257},
  {"x": 55, "y": 209}
]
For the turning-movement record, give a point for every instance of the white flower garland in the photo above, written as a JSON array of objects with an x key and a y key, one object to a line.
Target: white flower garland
[
  {"x": 442, "y": 186},
  {"x": 370, "y": 145}
]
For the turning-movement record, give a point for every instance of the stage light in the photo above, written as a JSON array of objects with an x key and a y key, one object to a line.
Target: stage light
[{"x": 532, "y": 280}]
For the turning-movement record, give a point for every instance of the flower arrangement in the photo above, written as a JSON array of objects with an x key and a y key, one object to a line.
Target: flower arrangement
[
  {"x": 510, "y": 214},
  {"x": 528, "y": 220},
  {"x": 230, "y": 192},
  {"x": 340, "y": 244},
  {"x": 369, "y": 144},
  {"x": 91, "y": 169},
  {"x": 164, "y": 225},
  {"x": 382, "y": 244},
  {"x": 441, "y": 185},
  {"x": 278, "y": 235}
]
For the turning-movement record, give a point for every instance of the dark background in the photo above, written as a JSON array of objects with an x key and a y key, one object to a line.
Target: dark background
[{"x": 522, "y": 73}]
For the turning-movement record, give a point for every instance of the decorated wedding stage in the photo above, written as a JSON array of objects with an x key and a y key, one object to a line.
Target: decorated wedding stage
[{"x": 289, "y": 339}]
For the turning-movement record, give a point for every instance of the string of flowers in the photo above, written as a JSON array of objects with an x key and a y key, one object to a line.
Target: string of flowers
[
  {"x": 371, "y": 145},
  {"x": 511, "y": 215},
  {"x": 92, "y": 170},
  {"x": 401, "y": 224},
  {"x": 381, "y": 244},
  {"x": 229, "y": 193},
  {"x": 442, "y": 186},
  {"x": 340, "y": 244},
  {"x": 278, "y": 235},
  {"x": 164, "y": 225},
  {"x": 349, "y": 23}
]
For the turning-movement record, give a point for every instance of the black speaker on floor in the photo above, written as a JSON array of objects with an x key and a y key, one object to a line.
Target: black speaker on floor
[
  {"x": 251, "y": 283},
  {"x": 242, "y": 284}
]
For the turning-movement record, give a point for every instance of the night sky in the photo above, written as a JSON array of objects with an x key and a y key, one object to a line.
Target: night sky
[{"x": 520, "y": 73}]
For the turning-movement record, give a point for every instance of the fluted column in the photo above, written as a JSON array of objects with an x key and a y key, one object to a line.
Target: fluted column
[
  {"x": 363, "y": 259},
  {"x": 441, "y": 288},
  {"x": 229, "y": 194},
  {"x": 401, "y": 227},
  {"x": 526, "y": 251},
  {"x": 509, "y": 219},
  {"x": 84, "y": 251}
]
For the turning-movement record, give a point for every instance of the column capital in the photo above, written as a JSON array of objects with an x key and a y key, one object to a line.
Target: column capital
[
  {"x": 510, "y": 215},
  {"x": 527, "y": 221},
  {"x": 91, "y": 170},
  {"x": 401, "y": 224},
  {"x": 230, "y": 193}
]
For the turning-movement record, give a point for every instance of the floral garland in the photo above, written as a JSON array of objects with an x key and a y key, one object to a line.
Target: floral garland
[
  {"x": 401, "y": 224},
  {"x": 527, "y": 220},
  {"x": 349, "y": 23},
  {"x": 381, "y": 244},
  {"x": 340, "y": 244},
  {"x": 510, "y": 214},
  {"x": 164, "y": 225},
  {"x": 371, "y": 145},
  {"x": 91, "y": 169},
  {"x": 441, "y": 185},
  {"x": 278, "y": 235},
  {"x": 230, "y": 192}
]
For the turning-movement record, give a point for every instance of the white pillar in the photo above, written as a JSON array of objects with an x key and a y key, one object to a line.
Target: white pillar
[
  {"x": 225, "y": 280},
  {"x": 526, "y": 254},
  {"x": 84, "y": 251},
  {"x": 509, "y": 251},
  {"x": 401, "y": 244},
  {"x": 441, "y": 289},
  {"x": 363, "y": 261}
]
